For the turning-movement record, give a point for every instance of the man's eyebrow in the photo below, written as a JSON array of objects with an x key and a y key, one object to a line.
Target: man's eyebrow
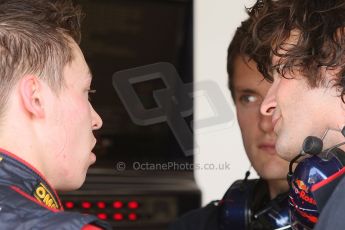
[
  {"x": 277, "y": 67},
  {"x": 246, "y": 90}
]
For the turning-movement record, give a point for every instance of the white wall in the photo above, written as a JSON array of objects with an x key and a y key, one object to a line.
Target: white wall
[{"x": 215, "y": 23}]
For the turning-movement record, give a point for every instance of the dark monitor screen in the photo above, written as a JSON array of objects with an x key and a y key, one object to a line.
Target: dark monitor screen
[{"x": 124, "y": 34}]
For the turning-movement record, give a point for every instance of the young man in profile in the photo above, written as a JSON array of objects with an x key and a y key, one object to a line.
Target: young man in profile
[
  {"x": 306, "y": 40},
  {"x": 46, "y": 119}
]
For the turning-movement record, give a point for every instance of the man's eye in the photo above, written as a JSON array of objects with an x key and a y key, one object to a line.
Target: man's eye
[
  {"x": 90, "y": 91},
  {"x": 249, "y": 99}
]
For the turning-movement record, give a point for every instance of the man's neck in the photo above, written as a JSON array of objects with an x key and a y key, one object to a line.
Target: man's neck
[
  {"x": 23, "y": 151},
  {"x": 277, "y": 187}
]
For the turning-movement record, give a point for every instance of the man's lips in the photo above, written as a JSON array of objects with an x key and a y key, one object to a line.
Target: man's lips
[
  {"x": 268, "y": 147},
  {"x": 92, "y": 158},
  {"x": 93, "y": 155},
  {"x": 94, "y": 144}
]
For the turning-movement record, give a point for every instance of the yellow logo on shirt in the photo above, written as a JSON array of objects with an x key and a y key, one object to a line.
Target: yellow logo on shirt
[{"x": 43, "y": 195}]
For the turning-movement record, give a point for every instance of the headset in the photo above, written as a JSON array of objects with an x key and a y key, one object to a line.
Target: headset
[
  {"x": 247, "y": 206},
  {"x": 304, "y": 201}
]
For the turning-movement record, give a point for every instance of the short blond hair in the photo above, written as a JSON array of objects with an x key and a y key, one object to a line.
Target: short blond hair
[{"x": 35, "y": 37}]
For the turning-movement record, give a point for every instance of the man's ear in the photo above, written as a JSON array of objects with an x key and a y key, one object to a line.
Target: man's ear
[{"x": 30, "y": 90}]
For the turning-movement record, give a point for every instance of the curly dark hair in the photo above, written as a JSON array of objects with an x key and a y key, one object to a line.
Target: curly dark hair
[{"x": 320, "y": 25}]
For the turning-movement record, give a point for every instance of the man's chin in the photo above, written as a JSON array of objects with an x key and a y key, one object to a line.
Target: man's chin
[
  {"x": 286, "y": 148},
  {"x": 285, "y": 154}
]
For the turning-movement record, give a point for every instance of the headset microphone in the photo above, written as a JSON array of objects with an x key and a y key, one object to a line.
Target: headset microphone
[{"x": 311, "y": 145}]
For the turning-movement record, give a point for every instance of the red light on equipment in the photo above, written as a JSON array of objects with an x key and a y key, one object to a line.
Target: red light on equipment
[
  {"x": 132, "y": 216},
  {"x": 118, "y": 216},
  {"x": 133, "y": 205},
  {"x": 69, "y": 204},
  {"x": 102, "y": 216},
  {"x": 117, "y": 204},
  {"x": 101, "y": 205},
  {"x": 86, "y": 204}
]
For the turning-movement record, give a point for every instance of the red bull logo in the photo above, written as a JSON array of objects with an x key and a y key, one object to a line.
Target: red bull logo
[{"x": 300, "y": 184}]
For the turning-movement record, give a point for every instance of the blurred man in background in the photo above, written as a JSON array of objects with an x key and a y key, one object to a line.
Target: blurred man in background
[{"x": 248, "y": 90}]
